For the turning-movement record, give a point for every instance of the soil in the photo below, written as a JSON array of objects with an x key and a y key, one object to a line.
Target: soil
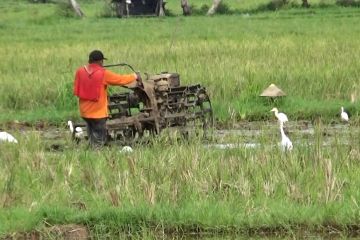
[{"x": 66, "y": 232}]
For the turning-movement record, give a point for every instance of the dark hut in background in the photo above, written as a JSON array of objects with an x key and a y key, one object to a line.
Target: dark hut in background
[{"x": 125, "y": 8}]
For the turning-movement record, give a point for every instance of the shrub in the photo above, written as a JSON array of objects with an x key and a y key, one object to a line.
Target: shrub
[
  {"x": 64, "y": 9},
  {"x": 108, "y": 10},
  {"x": 40, "y": 1},
  {"x": 223, "y": 8},
  {"x": 274, "y": 5},
  {"x": 168, "y": 12},
  {"x": 199, "y": 11},
  {"x": 348, "y": 3}
]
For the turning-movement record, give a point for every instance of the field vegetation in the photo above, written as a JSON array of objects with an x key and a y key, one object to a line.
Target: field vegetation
[
  {"x": 172, "y": 186},
  {"x": 176, "y": 187},
  {"x": 312, "y": 54}
]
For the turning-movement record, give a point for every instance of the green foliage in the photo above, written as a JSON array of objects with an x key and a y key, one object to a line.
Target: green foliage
[
  {"x": 169, "y": 12},
  {"x": 108, "y": 10},
  {"x": 172, "y": 185},
  {"x": 177, "y": 186},
  {"x": 40, "y": 1},
  {"x": 348, "y": 3},
  {"x": 274, "y": 5},
  {"x": 199, "y": 11},
  {"x": 235, "y": 57},
  {"x": 224, "y": 8},
  {"x": 64, "y": 9}
]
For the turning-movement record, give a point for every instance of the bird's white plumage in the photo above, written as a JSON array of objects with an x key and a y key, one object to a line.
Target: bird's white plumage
[
  {"x": 78, "y": 132},
  {"x": 282, "y": 118},
  {"x": 7, "y": 137},
  {"x": 71, "y": 126},
  {"x": 344, "y": 115},
  {"x": 286, "y": 144},
  {"x": 126, "y": 149}
]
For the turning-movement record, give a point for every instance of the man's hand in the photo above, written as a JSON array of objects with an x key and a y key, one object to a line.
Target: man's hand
[{"x": 138, "y": 79}]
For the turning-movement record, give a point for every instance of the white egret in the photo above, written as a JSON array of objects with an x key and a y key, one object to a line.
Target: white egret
[
  {"x": 6, "y": 137},
  {"x": 344, "y": 115},
  {"x": 126, "y": 149},
  {"x": 77, "y": 132},
  {"x": 286, "y": 144},
  {"x": 282, "y": 118}
]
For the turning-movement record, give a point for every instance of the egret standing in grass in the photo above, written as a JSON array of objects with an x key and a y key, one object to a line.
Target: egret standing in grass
[
  {"x": 7, "y": 137},
  {"x": 344, "y": 115},
  {"x": 282, "y": 118},
  {"x": 286, "y": 144},
  {"x": 77, "y": 132},
  {"x": 126, "y": 149}
]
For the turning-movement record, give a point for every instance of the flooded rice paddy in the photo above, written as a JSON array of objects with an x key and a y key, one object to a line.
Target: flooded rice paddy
[
  {"x": 301, "y": 133},
  {"x": 245, "y": 135}
]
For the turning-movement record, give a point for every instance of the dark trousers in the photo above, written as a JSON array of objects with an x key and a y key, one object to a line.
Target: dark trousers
[{"x": 96, "y": 129}]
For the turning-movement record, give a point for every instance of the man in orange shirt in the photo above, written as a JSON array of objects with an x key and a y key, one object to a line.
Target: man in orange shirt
[{"x": 90, "y": 86}]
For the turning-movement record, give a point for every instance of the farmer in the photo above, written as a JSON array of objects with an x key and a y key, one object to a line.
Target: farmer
[{"x": 90, "y": 86}]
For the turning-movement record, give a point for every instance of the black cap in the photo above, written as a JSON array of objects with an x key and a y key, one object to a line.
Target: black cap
[{"x": 96, "y": 55}]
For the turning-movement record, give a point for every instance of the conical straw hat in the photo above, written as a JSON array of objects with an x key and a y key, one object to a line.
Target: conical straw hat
[{"x": 272, "y": 91}]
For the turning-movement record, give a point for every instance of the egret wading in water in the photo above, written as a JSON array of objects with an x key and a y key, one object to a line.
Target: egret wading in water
[
  {"x": 77, "y": 132},
  {"x": 282, "y": 118},
  {"x": 344, "y": 115},
  {"x": 286, "y": 144},
  {"x": 7, "y": 137}
]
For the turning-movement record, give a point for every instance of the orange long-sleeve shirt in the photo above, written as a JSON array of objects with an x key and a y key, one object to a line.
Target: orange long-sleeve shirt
[{"x": 99, "y": 109}]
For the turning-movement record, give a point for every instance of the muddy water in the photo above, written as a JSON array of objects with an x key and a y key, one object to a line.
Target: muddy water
[
  {"x": 253, "y": 134},
  {"x": 246, "y": 134}
]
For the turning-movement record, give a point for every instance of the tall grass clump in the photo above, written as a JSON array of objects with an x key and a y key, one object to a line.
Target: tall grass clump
[
  {"x": 274, "y": 5},
  {"x": 64, "y": 9},
  {"x": 234, "y": 57},
  {"x": 224, "y": 8},
  {"x": 172, "y": 186},
  {"x": 108, "y": 10},
  {"x": 40, "y": 1},
  {"x": 348, "y": 3},
  {"x": 202, "y": 10}
]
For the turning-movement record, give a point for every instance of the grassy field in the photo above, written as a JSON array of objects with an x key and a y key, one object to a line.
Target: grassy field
[
  {"x": 312, "y": 54},
  {"x": 177, "y": 187}
]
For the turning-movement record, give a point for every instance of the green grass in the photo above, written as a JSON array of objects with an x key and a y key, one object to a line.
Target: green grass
[
  {"x": 181, "y": 187},
  {"x": 312, "y": 54}
]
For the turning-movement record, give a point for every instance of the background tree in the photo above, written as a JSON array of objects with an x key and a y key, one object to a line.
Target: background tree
[
  {"x": 160, "y": 8},
  {"x": 186, "y": 7},
  {"x": 76, "y": 8},
  {"x": 214, "y": 7},
  {"x": 305, "y": 3}
]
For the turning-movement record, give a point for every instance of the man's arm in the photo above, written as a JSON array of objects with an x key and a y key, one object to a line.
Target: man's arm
[{"x": 112, "y": 78}]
